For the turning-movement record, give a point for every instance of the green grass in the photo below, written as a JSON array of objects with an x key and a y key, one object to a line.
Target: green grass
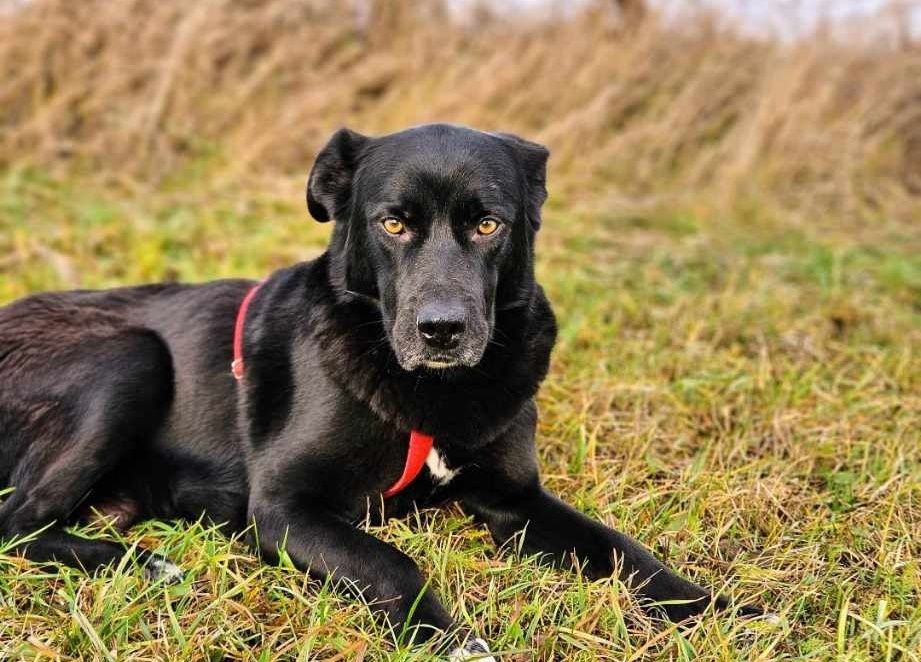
[{"x": 742, "y": 394}]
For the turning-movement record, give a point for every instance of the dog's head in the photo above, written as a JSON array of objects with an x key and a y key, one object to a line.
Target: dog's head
[{"x": 434, "y": 225}]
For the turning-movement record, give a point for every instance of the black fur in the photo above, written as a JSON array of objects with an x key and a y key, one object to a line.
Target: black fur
[{"x": 123, "y": 399}]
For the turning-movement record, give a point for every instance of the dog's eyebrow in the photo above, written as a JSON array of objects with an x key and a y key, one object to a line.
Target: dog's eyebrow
[
  {"x": 388, "y": 208},
  {"x": 495, "y": 197},
  {"x": 493, "y": 204}
]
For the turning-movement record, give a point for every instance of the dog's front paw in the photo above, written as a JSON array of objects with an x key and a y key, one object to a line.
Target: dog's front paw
[
  {"x": 160, "y": 569},
  {"x": 473, "y": 649}
]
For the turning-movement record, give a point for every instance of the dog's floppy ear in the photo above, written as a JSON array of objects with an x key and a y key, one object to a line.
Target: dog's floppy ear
[
  {"x": 533, "y": 158},
  {"x": 329, "y": 186}
]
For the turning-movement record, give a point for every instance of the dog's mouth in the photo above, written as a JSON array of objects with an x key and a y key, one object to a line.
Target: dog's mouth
[
  {"x": 412, "y": 357},
  {"x": 414, "y": 360},
  {"x": 441, "y": 363}
]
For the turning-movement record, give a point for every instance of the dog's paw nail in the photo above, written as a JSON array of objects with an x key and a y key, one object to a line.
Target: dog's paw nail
[
  {"x": 160, "y": 569},
  {"x": 473, "y": 649}
]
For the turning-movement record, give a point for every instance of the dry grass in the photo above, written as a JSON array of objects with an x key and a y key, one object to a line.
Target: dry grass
[{"x": 635, "y": 116}]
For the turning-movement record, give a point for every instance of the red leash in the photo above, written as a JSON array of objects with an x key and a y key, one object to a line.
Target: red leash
[{"x": 420, "y": 444}]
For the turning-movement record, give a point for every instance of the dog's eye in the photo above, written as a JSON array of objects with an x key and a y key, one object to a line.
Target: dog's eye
[
  {"x": 393, "y": 226},
  {"x": 487, "y": 227}
]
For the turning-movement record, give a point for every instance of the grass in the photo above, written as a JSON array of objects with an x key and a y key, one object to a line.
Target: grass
[{"x": 742, "y": 393}]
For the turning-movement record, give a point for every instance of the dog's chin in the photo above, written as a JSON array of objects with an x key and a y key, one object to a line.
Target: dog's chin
[
  {"x": 437, "y": 362},
  {"x": 440, "y": 364}
]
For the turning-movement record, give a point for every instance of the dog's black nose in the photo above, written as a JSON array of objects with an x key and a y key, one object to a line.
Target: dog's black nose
[{"x": 441, "y": 324}]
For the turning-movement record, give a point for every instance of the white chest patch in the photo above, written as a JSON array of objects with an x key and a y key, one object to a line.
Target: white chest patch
[{"x": 437, "y": 467}]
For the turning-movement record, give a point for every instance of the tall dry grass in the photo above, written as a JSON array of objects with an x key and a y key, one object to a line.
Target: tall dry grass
[{"x": 661, "y": 111}]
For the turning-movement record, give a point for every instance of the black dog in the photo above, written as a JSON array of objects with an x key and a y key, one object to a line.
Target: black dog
[{"x": 422, "y": 320}]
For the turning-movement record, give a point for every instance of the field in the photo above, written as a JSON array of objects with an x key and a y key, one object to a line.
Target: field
[{"x": 737, "y": 381}]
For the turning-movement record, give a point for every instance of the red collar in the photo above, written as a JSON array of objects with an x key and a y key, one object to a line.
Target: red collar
[
  {"x": 420, "y": 444},
  {"x": 237, "y": 366}
]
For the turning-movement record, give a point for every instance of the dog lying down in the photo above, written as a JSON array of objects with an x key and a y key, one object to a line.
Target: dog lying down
[{"x": 397, "y": 369}]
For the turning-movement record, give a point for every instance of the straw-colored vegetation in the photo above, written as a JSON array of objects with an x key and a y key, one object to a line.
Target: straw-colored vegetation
[
  {"x": 636, "y": 114},
  {"x": 732, "y": 246}
]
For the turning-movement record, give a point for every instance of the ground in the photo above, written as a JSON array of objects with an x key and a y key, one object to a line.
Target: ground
[{"x": 740, "y": 392}]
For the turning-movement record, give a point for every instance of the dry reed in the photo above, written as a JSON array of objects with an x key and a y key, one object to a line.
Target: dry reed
[{"x": 661, "y": 111}]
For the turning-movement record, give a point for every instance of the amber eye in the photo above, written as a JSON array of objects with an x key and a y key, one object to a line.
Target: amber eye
[
  {"x": 393, "y": 226},
  {"x": 487, "y": 226}
]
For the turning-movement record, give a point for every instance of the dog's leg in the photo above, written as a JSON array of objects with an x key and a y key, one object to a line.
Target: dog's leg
[
  {"x": 504, "y": 491},
  {"x": 54, "y": 544},
  {"x": 559, "y": 532},
  {"x": 327, "y": 547},
  {"x": 91, "y": 413}
]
